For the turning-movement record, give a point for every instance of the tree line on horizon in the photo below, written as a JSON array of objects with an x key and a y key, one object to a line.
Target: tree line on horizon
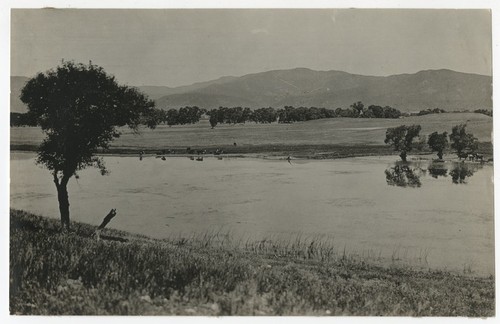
[
  {"x": 288, "y": 114},
  {"x": 238, "y": 115}
]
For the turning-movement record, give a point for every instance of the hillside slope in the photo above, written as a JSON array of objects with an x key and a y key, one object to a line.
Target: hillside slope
[{"x": 445, "y": 89}]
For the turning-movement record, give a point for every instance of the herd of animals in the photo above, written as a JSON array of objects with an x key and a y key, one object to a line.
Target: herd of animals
[
  {"x": 473, "y": 157},
  {"x": 189, "y": 151},
  {"x": 464, "y": 156}
]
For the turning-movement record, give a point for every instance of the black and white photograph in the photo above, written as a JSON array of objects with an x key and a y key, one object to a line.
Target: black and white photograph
[{"x": 250, "y": 161}]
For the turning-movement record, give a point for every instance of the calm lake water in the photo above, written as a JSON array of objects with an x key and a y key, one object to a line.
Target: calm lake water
[{"x": 370, "y": 206}]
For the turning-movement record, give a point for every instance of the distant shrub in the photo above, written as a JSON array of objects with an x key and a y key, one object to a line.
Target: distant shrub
[
  {"x": 484, "y": 112},
  {"x": 431, "y": 111}
]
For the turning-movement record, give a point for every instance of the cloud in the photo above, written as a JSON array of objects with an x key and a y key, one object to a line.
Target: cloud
[{"x": 259, "y": 31}]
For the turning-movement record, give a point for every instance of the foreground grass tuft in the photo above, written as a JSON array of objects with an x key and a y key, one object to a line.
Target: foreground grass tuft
[{"x": 52, "y": 272}]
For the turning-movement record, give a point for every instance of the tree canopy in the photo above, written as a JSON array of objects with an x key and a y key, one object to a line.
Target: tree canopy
[
  {"x": 80, "y": 107},
  {"x": 401, "y": 138},
  {"x": 438, "y": 143},
  {"x": 461, "y": 141}
]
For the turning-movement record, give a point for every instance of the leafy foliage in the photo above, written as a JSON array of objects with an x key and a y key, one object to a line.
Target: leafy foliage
[
  {"x": 358, "y": 107},
  {"x": 264, "y": 115},
  {"x": 401, "y": 138},
  {"x": 80, "y": 107},
  {"x": 172, "y": 117},
  {"x": 438, "y": 143},
  {"x": 430, "y": 111},
  {"x": 484, "y": 112},
  {"x": 213, "y": 118},
  {"x": 183, "y": 116},
  {"x": 461, "y": 141},
  {"x": 20, "y": 119},
  {"x": 288, "y": 114},
  {"x": 380, "y": 112}
]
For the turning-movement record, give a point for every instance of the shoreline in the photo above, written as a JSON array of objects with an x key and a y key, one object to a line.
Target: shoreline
[
  {"x": 226, "y": 241},
  {"x": 278, "y": 151}
]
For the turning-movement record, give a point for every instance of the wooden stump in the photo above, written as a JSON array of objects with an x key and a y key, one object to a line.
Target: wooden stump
[{"x": 105, "y": 221}]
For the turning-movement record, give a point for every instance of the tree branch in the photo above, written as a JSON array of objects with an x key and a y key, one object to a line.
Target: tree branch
[{"x": 56, "y": 180}]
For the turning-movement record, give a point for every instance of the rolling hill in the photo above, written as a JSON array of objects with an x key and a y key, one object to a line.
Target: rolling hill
[{"x": 444, "y": 89}]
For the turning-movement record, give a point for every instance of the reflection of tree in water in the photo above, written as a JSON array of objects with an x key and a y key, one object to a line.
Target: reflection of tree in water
[
  {"x": 437, "y": 171},
  {"x": 462, "y": 171},
  {"x": 402, "y": 175},
  {"x": 408, "y": 175}
]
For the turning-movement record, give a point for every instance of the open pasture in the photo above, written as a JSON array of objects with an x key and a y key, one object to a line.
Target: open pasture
[{"x": 334, "y": 131}]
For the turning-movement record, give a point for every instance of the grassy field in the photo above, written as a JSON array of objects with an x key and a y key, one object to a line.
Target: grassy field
[
  {"x": 52, "y": 272},
  {"x": 343, "y": 136}
]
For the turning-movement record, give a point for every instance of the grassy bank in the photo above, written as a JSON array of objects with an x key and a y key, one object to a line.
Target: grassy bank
[{"x": 74, "y": 273}]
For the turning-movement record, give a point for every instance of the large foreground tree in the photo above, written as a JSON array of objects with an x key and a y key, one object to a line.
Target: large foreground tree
[
  {"x": 79, "y": 107},
  {"x": 401, "y": 138}
]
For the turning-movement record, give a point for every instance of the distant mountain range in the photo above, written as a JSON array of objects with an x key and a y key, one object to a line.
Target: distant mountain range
[{"x": 444, "y": 89}]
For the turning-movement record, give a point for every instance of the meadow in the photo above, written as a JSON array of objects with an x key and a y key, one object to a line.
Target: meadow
[
  {"x": 73, "y": 273},
  {"x": 316, "y": 138}
]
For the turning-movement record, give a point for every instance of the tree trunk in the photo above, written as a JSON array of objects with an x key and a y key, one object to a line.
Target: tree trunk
[
  {"x": 62, "y": 197},
  {"x": 403, "y": 156},
  {"x": 440, "y": 155}
]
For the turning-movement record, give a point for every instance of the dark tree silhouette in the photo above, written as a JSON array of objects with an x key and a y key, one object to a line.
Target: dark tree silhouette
[
  {"x": 377, "y": 111},
  {"x": 172, "y": 117},
  {"x": 401, "y": 138},
  {"x": 79, "y": 107},
  {"x": 438, "y": 143},
  {"x": 461, "y": 141},
  {"x": 213, "y": 117},
  {"x": 358, "y": 108}
]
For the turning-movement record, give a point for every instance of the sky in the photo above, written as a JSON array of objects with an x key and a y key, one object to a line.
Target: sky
[{"x": 176, "y": 47}]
